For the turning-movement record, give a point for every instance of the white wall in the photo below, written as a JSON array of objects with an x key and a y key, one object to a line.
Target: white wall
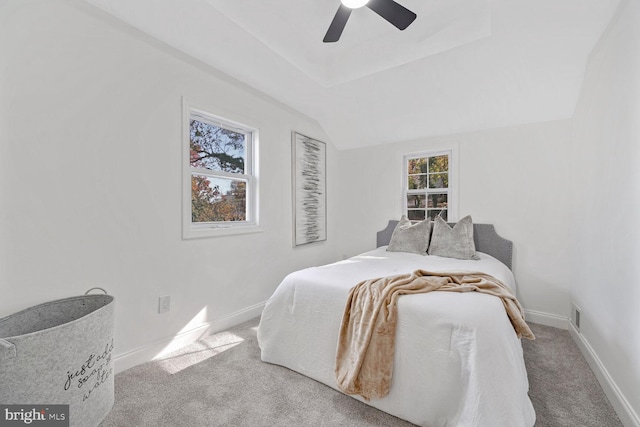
[
  {"x": 515, "y": 178},
  {"x": 90, "y": 176},
  {"x": 606, "y": 178}
]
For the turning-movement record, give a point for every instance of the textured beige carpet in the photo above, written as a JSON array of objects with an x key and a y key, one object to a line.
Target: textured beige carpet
[
  {"x": 562, "y": 387},
  {"x": 220, "y": 381}
]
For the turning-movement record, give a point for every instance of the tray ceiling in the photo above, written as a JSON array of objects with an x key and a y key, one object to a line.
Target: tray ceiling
[{"x": 463, "y": 65}]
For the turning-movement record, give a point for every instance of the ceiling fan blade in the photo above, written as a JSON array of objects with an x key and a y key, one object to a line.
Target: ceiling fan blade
[
  {"x": 393, "y": 12},
  {"x": 337, "y": 25}
]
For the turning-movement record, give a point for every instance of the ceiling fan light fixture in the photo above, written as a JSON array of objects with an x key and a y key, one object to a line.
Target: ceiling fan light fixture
[
  {"x": 394, "y": 13},
  {"x": 354, "y": 4}
]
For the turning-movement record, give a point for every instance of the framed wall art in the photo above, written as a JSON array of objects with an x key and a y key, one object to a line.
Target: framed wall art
[{"x": 309, "y": 158}]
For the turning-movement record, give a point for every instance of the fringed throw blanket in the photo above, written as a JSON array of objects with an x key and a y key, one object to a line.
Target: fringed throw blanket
[{"x": 364, "y": 360}]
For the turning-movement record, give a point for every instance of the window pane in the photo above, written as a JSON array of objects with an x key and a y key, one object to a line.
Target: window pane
[
  {"x": 416, "y": 214},
  {"x": 427, "y": 186},
  {"x": 433, "y": 213},
  {"x": 418, "y": 166},
  {"x": 416, "y": 201},
  {"x": 439, "y": 180},
  {"x": 218, "y": 199},
  {"x": 439, "y": 164},
  {"x": 437, "y": 201},
  {"x": 216, "y": 148},
  {"x": 417, "y": 182}
]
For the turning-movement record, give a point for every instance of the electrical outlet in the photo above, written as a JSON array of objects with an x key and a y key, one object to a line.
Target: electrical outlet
[{"x": 164, "y": 304}]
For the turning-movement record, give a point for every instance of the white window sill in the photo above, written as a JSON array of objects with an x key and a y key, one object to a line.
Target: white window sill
[{"x": 200, "y": 232}]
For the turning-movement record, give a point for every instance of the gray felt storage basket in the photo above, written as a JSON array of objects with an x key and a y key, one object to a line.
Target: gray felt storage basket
[{"x": 60, "y": 352}]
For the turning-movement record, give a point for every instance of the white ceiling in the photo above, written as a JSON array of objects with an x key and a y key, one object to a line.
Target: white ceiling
[{"x": 463, "y": 65}]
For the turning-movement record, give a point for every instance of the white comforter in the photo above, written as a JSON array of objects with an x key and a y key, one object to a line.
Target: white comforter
[{"x": 458, "y": 361}]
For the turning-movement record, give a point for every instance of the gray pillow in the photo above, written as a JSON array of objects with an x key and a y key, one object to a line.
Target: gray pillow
[
  {"x": 456, "y": 242},
  {"x": 410, "y": 238}
]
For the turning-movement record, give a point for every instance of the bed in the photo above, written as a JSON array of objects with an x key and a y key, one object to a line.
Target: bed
[{"x": 458, "y": 361}]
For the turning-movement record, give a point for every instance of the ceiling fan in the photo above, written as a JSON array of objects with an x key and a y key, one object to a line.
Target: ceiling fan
[{"x": 393, "y": 12}]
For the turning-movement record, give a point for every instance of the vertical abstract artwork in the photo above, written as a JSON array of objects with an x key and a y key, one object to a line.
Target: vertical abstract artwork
[{"x": 309, "y": 190}]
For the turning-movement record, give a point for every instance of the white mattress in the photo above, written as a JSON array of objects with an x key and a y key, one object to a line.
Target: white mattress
[{"x": 458, "y": 361}]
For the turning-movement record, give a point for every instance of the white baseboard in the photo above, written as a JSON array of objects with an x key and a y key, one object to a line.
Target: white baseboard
[
  {"x": 547, "y": 319},
  {"x": 148, "y": 352},
  {"x": 625, "y": 411}
]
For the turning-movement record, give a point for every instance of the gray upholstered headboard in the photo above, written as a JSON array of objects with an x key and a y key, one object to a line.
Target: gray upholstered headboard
[{"x": 484, "y": 236}]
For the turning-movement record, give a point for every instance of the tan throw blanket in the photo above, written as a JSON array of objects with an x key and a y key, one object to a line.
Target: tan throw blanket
[{"x": 364, "y": 360}]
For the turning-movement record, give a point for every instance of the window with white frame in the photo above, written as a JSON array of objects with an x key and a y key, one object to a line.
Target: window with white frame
[
  {"x": 219, "y": 174},
  {"x": 428, "y": 185}
]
